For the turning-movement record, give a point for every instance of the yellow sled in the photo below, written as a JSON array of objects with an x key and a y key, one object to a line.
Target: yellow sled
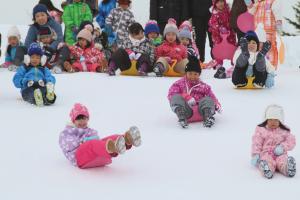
[
  {"x": 170, "y": 72},
  {"x": 249, "y": 85}
]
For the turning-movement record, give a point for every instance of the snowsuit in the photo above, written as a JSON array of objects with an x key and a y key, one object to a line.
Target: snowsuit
[
  {"x": 240, "y": 75},
  {"x": 73, "y": 15},
  {"x": 268, "y": 12},
  {"x": 220, "y": 20},
  {"x": 264, "y": 142},
  {"x": 84, "y": 148},
  {"x": 120, "y": 19},
  {"x": 10, "y": 55},
  {"x": 104, "y": 10},
  {"x": 167, "y": 52},
  {"x": 144, "y": 47},
  {"x": 183, "y": 90},
  {"x": 25, "y": 74},
  {"x": 87, "y": 59}
]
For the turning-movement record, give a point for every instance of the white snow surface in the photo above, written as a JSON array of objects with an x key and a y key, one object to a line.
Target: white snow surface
[{"x": 172, "y": 163}]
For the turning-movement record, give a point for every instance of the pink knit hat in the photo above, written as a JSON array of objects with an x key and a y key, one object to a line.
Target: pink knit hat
[
  {"x": 85, "y": 34},
  {"x": 77, "y": 110},
  {"x": 186, "y": 24}
]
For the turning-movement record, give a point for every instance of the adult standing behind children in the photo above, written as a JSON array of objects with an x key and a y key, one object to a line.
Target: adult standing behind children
[
  {"x": 162, "y": 10},
  {"x": 104, "y": 9}
]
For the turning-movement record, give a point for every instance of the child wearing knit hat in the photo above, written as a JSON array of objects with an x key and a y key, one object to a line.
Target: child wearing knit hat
[
  {"x": 84, "y": 56},
  {"x": 83, "y": 147},
  {"x": 14, "y": 41},
  {"x": 186, "y": 39},
  {"x": 170, "y": 50},
  {"x": 191, "y": 99},
  {"x": 270, "y": 145},
  {"x": 250, "y": 61},
  {"x": 34, "y": 79},
  {"x": 152, "y": 32}
]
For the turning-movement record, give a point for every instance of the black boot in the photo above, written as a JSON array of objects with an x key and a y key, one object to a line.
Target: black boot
[{"x": 220, "y": 74}]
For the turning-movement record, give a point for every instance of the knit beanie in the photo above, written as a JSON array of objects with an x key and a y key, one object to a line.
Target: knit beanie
[
  {"x": 193, "y": 65},
  {"x": 171, "y": 27},
  {"x": 251, "y": 35},
  {"x": 78, "y": 109},
  {"x": 39, "y": 8},
  {"x": 35, "y": 49},
  {"x": 274, "y": 112},
  {"x": 14, "y": 32},
  {"x": 85, "y": 34},
  {"x": 185, "y": 33},
  {"x": 151, "y": 27},
  {"x": 186, "y": 24}
]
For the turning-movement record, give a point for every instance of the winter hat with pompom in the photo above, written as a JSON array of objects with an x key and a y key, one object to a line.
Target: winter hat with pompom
[
  {"x": 186, "y": 24},
  {"x": 185, "y": 33},
  {"x": 274, "y": 112},
  {"x": 14, "y": 32},
  {"x": 78, "y": 109},
  {"x": 151, "y": 27},
  {"x": 85, "y": 34},
  {"x": 35, "y": 49},
  {"x": 171, "y": 27}
]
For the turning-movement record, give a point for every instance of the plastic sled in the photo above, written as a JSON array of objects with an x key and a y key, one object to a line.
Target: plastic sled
[
  {"x": 249, "y": 85},
  {"x": 171, "y": 72},
  {"x": 196, "y": 115},
  {"x": 132, "y": 71},
  {"x": 245, "y": 22},
  {"x": 224, "y": 50}
]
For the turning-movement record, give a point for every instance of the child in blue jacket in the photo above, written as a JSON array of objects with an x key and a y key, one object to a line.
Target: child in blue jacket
[{"x": 34, "y": 79}]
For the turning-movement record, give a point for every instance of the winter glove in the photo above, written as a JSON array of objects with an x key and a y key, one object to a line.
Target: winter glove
[
  {"x": 191, "y": 102},
  {"x": 265, "y": 49},
  {"x": 255, "y": 160},
  {"x": 132, "y": 56},
  {"x": 244, "y": 46},
  {"x": 248, "y": 2},
  {"x": 41, "y": 83},
  {"x": 270, "y": 80},
  {"x": 278, "y": 151},
  {"x": 30, "y": 83},
  {"x": 137, "y": 56},
  {"x": 249, "y": 71}
]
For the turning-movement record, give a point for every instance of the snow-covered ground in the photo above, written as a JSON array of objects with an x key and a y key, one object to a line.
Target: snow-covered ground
[{"x": 172, "y": 163}]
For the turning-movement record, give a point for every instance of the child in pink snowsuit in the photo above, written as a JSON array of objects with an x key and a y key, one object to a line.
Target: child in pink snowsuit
[
  {"x": 86, "y": 56},
  {"x": 190, "y": 97},
  {"x": 270, "y": 144},
  {"x": 82, "y": 146},
  {"x": 218, "y": 24}
]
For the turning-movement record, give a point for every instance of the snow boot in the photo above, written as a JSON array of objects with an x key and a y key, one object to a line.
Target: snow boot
[
  {"x": 133, "y": 136},
  {"x": 264, "y": 167},
  {"x": 181, "y": 114},
  {"x": 50, "y": 91},
  {"x": 291, "y": 166},
  {"x": 220, "y": 74},
  {"x": 208, "y": 119},
  {"x": 158, "y": 69},
  {"x": 38, "y": 97},
  {"x": 142, "y": 71}
]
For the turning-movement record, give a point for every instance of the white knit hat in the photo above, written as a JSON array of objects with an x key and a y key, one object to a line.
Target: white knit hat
[
  {"x": 274, "y": 112},
  {"x": 171, "y": 27},
  {"x": 261, "y": 34},
  {"x": 14, "y": 32}
]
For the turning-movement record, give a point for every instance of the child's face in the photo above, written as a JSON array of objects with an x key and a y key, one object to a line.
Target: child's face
[
  {"x": 124, "y": 6},
  {"x": 273, "y": 123},
  {"x": 82, "y": 42},
  {"x": 81, "y": 123},
  {"x": 46, "y": 39},
  {"x": 13, "y": 41},
  {"x": 252, "y": 46},
  {"x": 152, "y": 35},
  {"x": 192, "y": 76},
  {"x": 220, "y": 5},
  {"x": 41, "y": 18},
  {"x": 138, "y": 36},
  {"x": 171, "y": 37},
  {"x": 35, "y": 60},
  {"x": 184, "y": 41}
]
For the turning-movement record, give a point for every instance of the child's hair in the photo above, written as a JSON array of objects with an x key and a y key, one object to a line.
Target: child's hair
[
  {"x": 79, "y": 117},
  {"x": 49, "y": 5},
  {"x": 126, "y": 2},
  {"x": 264, "y": 124},
  {"x": 135, "y": 28}
]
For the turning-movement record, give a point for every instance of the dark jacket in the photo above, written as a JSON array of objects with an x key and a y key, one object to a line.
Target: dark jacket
[{"x": 198, "y": 8}]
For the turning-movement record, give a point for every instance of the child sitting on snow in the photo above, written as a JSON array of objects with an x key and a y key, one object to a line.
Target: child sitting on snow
[
  {"x": 249, "y": 61},
  {"x": 185, "y": 37},
  {"x": 14, "y": 41},
  {"x": 82, "y": 146},
  {"x": 84, "y": 56},
  {"x": 170, "y": 50},
  {"x": 270, "y": 144},
  {"x": 135, "y": 47},
  {"x": 152, "y": 32},
  {"x": 34, "y": 79},
  {"x": 189, "y": 93}
]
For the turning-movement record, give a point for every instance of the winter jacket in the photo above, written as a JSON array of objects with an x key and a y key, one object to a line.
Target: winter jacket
[
  {"x": 197, "y": 90},
  {"x": 252, "y": 60},
  {"x": 30, "y": 73},
  {"x": 71, "y": 138},
  {"x": 198, "y": 8},
  {"x": 11, "y": 52},
  {"x": 33, "y": 32},
  {"x": 74, "y": 14},
  {"x": 265, "y": 140},
  {"x": 120, "y": 19},
  {"x": 172, "y": 50},
  {"x": 220, "y": 20},
  {"x": 144, "y": 47},
  {"x": 104, "y": 10}
]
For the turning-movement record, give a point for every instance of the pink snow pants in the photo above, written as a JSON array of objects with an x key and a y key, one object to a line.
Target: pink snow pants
[{"x": 276, "y": 162}]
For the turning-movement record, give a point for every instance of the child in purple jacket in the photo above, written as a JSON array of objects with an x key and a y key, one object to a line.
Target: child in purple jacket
[
  {"x": 189, "y": 96},
  {"x": 82, "y": 146}
]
